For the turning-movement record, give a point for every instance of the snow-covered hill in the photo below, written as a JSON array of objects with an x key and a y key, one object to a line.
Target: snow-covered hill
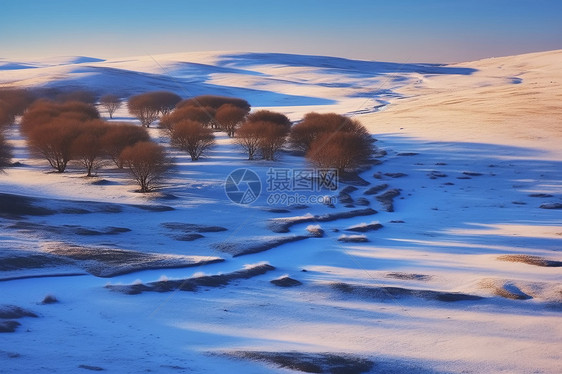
[{"x": 463, "y": 276}]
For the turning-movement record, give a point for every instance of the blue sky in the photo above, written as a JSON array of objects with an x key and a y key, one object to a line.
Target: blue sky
[{"x": 389, "y": 30}]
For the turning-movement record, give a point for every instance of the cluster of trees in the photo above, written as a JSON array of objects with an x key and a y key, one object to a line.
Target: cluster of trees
[
  {"x": 13, "y": 102},
  {"x": 192, "y": 123},
  {"x": 332, "y": 141},
  {"x": 69, "y": 128},
  {"x": 149, "y": 106},
  {"x": 263, "y": 132},
  {"x": 61, "y": 132}
]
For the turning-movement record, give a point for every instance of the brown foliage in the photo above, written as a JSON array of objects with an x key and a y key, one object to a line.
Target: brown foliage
[
  {"x": 248, "y": 136},
  {"x": 53, "y": 141},
  {"x": 228, "y": 117},
  {"x": 214, "y": 102},
  {"x": 5, "y": 153},
  {"x": 13, "y": 102},
  {"x": 192, "y": 137},
  {"x": 111, "y": 103},
  {"x": 341, "y": 150},
  {"x": 265, "y": 131},
  {"x": 119, "y": 136},
  {"x": 45, "y": 111},
  {"x": 82, "y": 96},
  {"x": 144, "y": 108},
  {"x": 147, "y": 163},
  {"x": 147, "y": 107},
  {"x": 203, "y": 116},
  {"x": 273, "y": 136},
  {"x": 315, "y": 125},
  {"x": 269, "y": 116},
  {"x": 87, "y": 147}
]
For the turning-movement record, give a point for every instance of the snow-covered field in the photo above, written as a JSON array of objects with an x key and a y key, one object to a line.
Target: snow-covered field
[{"x": 464, "y": 275}]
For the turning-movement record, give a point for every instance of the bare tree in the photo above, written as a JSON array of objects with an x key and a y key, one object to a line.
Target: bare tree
[
  {"x": 272, "y": 138},
  {"x": 191, "y": 113},
  {"x": 341, "y": 150},
  {"x": 83, "y": 96},
  {"x": 87, "y": 146},
  {"x": 192, "y": 137},
  {"x": 54, "y": 141},
  {"x": 45, "y": 111},
  {"x": 215, "y": 102},
  {"x": 5, "y": 153},
  {"x": 229, "y": 117},
  {"x": 315, "y": 125},
  {"x": 119, "y": 136},
  {"x": 111, "y": 103},
  {"x": 146, "y": 162},
  {"x": 248, "y": 136},
  {"x": 144, "y": 108},
  {"x": 166, "y": 101}
]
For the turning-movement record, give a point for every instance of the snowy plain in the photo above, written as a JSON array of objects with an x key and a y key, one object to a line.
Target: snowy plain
[{"x": 442, "y": 287}]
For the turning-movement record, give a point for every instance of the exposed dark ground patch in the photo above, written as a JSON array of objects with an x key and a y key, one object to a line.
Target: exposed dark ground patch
[
  {"x": 193, "y": 284},
  {"x": 530, "y": 260},
  {"x": 472, "y": 173},
  {"x": 11, "y": 312},
  {"x": 541, "y": 195},
  {"x": 286, "y": 281},
  {"x": 109, "y": 262},
  {"x": 334, "y": 363},
  {"x": 16, "y": 206},
  {"x": 390, "y": 293},
  {"x": 191, "y": 227},
  {"x": 256, "y": 245},
  {"x": 9, "y": 326},
  {"x": 409, "y": 276},
  {"x": 387, "y": 199},
  {"x": 551, "y": 206},
  {"x": 373, "y": 226},
  {"x": 91, "y": 368},
  {"x": 353, "y": 239},
  {"x": 24, "y": 260},
  {"x": 282, "y": 225},
  {"x": 376, "y": 189},
  {"x": 395, "y": 175},
  {"x": 15, "y": 312},
  {"x": 66, "y": 229}
]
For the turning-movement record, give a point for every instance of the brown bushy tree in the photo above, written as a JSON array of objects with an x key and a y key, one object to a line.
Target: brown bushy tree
[
  {"x": 215, "y": 102},
  {"x": 192, "y": 137},
  {"x": 5, "y": 153},
  {"x": 146, "y": 162},
  {"x": 87, "y": 147},
  {"x": 14, "y": 102},
  {"x": 144, "y": 108},
  {"x": 314, "y": 125},
  {"x": 45, "y": 111},
  {"x": 54, "y": 141},
  {"x": 119, "y": 136},
  {"x": 228, "y": 117},
  {"x": 248, "y": 136},
  {"x": 341, "y": 150},
  {"x": 265, "y": 131},
  {"x": 111, "y": 103},
  {"x": 166, "y": 101},
  {"x": 203, "y": 116},
  {"x": 82, "y": 96}
]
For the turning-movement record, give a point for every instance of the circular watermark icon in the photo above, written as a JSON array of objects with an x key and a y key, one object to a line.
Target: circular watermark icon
[{"x": 243, "y": 186}]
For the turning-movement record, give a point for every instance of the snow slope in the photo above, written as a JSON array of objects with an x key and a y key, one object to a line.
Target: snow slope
[{"x": 478, "y": 144}]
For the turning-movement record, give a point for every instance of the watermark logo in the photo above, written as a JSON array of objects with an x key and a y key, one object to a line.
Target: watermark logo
[
  {"x": 285, "y": 186},
  {"x": 243, "y": 186}
]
